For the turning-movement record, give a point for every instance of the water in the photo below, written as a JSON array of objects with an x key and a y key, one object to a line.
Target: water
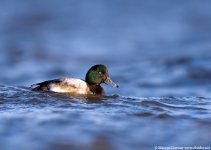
[
  {"x": 58, "y": 121},
  {"x": 159, "y": 54}
]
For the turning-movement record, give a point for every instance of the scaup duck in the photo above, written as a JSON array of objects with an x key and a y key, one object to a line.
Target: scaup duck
[{"x": 95, "y": 76}]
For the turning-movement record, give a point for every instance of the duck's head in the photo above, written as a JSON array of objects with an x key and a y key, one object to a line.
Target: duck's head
[{"x": 99, "y": 74}]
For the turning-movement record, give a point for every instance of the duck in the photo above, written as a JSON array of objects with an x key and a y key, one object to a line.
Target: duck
[{"x": 96, "y": 75}]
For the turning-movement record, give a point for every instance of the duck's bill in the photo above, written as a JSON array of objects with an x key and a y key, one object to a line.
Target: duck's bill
[{"x": 110, "y": 82}]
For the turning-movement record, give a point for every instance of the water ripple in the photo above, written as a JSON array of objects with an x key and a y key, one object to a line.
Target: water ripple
[{"x": 89, "y": 117}]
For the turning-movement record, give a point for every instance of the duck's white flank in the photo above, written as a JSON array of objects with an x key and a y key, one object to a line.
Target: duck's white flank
[{"x": 72, "y": 85}]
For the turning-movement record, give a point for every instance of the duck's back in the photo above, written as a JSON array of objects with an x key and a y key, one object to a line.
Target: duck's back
[{"x": 63, "y": 85}]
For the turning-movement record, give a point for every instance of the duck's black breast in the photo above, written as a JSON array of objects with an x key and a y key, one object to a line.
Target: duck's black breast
[{"x": 96, "y": 89}]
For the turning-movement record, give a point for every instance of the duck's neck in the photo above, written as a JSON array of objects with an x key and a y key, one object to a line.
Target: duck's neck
[{"x": 96, "y": 89}]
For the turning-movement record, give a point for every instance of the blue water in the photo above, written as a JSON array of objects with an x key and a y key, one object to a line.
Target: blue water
[{"x": 158, "y": 53}]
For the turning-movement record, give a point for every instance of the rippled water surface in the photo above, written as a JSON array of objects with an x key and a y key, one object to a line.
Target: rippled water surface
[
  {"x": 54, "y": 121},
  {"x": 158, "y": 53}
]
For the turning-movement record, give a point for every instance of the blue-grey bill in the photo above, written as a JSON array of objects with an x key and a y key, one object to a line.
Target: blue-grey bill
[{"x": 110, "y": 82}]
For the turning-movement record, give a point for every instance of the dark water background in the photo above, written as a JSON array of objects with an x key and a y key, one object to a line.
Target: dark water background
[{"x": 159, "y": 52}]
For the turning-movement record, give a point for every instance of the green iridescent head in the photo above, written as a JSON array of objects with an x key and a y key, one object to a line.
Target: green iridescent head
[{"x": 99, "y": 74}]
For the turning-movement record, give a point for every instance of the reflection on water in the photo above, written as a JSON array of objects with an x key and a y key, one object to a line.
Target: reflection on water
[{"x": 159, "y": 54}]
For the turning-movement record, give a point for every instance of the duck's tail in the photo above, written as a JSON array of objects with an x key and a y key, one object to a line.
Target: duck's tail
[{"x": 43, "y": 86}]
